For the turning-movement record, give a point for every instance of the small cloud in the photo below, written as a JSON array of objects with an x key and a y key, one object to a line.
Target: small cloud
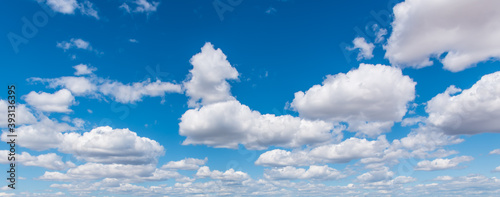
[
  {"x": 133, "y": 40},
  {"x": 365, "y": 49},
  {"x": 271, "y": 10},
  {"x": 82, "y": 69},
  {"x": 140, "y": 6}
]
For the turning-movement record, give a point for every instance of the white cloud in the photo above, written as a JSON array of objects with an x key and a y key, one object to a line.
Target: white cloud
[
  {"x": 131, "y": 93},
  {"x": 42, "y": 135},
  {"x": 313, "y": 173},
  {"x": 496, "y": 151},
  {"x": 50, "y": 160},
  {"x": 82, "y": 69},
  {"x": 465, "y": 32},
  {"x": 23, "y": 114},
  {"x": 108, "y": 145},
  {"x": 370, "y": 98},
  {"x": 185, "y": 164},
  {"x": 350, "y": 149},
  {"x": 59, "y": 101},
  {"x": 412, "y": 121},
  {"x": 69, "y": 6},
  {"x": 227, "y": 124},
  {"x": 365, "y": 49},
  {"x": 87, "y": 8},
  {"x": 474, "y": 110},
  {"x": 376, "y": 175},
  {"x": 74, "y": 43},
  {"x": 98, "y": 87},
  {"x": 206, "y": 82},
  {"x": 77, "y": 85},
  {"x": 379, "y": 33},
  {"x": 92, "y": 171},
  {"x": 228, "y": 175},
  {"x": 497, "y": 169},
  {"x": 63, "y": 6},
  {"x": 442, "y": 164},
  {"x": 133, "y": 40},
  {"x": 140, "y": 6}
]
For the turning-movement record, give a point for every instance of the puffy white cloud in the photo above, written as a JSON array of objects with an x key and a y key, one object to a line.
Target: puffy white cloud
[
  {"x": 442, "y": 164},
  {"x": 140, "y": 6},
  {"x": 59, "y": 101},
  {"x": 23, "y": 114},
  {"x": 496, "y": 151},
  {"x": 185, "y": 164},
  {"x": 82, "y": 69},
  {"x": 131, "y": 93},
  {"x": 347, "y": 150},
  {"x": 227, "y": 124},
  {"x": 313, "y": 173},
  {"x": 108, "y": 145},
  {"x": 42, "y": 135},
  {"x": 464, "y": 32},
  {"x": 365, "y": 49},
  {"x": 49, "y": 160},
  {"x": 228, "y": 175},
  {"x": 376, "y": 175},
  {"x": 206, "y": 82},
  {"x": 371, "y": 98},
  {"x": 350, "y": 149},
  {"x": 472, "y": 111},
  {"x": 278, "y": 157}
]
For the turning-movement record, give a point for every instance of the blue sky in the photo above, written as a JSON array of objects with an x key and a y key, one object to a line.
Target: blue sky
[{"x": 252, "y": 98}]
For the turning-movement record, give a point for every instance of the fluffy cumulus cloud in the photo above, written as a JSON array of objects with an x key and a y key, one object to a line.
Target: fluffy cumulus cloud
[
  {"x": 50, "y": 160},
  {"x": 185, "y": 164},
  {"x": 369, "y": 98},
  {"x": 347, "y": 150},
  {"x": 471, "y": 111},
  {"x": 42, "y": 135},
  {"x": 365, "y": 49},
  {"x": 222, "y": 121},
  {"x": 460, "y": 33},
  {"x": 206, "y": 82},
  {"x": 442, "y": 164},
  {"x": 59, "y": 101},
  {"x": 227, "y": 124},
  {"x": 108, "y": 145},
  {"x": 313, "y": 173},
  {"x": 24, "y": 115},
  {"x": 376, "y": 175}
]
